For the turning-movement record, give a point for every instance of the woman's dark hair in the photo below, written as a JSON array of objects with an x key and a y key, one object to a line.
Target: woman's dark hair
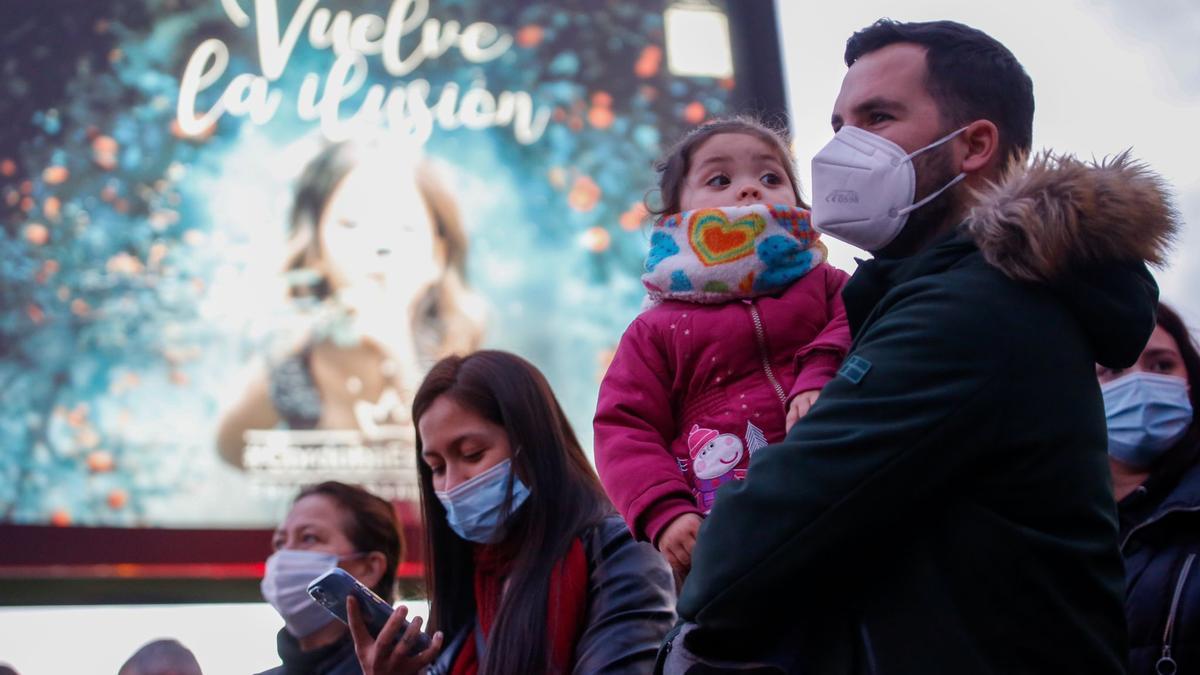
[
  {"x": 969, "y": 74},
  {"x": 565, "y": 498},
  {"x": 370, "y": 525},
  {"x": 441, "y": 326},
  {"x": 673, "y": 167},
  {"x": 1186, "y": 452}
]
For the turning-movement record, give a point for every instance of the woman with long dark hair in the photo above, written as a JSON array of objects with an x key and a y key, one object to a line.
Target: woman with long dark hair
[
  {"x": 528, "y": 568},
  {"x": 1154, "y": 448}
]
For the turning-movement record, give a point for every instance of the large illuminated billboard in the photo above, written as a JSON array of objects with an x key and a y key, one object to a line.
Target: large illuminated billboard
[{"x": 237, "y": 232}]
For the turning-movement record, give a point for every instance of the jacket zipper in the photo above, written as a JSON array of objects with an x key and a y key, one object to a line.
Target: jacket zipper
[
  {"x": 1156, "y": 518},
  {"x": 1166, "y": 659},
  {"x": 763, "y": 354}
]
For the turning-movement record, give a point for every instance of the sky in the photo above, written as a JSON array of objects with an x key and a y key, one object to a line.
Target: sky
[{"x": 1107, "y": 75}]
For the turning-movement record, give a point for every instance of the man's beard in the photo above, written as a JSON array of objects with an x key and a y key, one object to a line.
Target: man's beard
[{"x": 933, "y": 171}]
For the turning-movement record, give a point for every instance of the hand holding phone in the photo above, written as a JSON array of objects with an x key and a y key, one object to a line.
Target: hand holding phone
[{"x": 330, "y": 591}]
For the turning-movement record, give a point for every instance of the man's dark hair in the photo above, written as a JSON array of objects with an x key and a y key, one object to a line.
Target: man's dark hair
[{"x": 970, "y": 75}]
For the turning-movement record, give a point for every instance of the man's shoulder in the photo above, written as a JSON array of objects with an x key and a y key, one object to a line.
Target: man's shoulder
[{"x": 973, "y": 290}]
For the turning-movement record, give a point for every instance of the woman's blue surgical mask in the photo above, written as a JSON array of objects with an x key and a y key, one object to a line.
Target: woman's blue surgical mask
[
  {"x": 1147, "y": 414},
  {"x": 475, "y": 508}
]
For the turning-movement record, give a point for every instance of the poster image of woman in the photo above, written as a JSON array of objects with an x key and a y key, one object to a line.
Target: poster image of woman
[{"x": 376, "y": 256}]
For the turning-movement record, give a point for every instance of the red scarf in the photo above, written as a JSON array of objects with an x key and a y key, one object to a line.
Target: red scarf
[{"x": 565, "y": 609}]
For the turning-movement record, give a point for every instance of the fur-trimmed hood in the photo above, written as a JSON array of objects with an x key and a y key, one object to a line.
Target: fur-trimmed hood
[
  {"x": 1054, "y": 212},
  {"x": 1087, "y": 230}
]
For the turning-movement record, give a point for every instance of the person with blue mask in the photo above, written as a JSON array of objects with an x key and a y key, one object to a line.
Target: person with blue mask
[
  {"x": 528, "y": 567},
  {"x": 1154, "y": 456},
  {"x": 330, "y": 524}
]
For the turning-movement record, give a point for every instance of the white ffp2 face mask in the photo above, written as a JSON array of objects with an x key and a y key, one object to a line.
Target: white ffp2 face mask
[{"x": 864, "y": 185}]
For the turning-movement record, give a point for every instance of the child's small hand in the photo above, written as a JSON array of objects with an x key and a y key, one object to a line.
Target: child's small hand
[
  {"x": 800, "y": 406},
  {"x": 677, "y": 540}
]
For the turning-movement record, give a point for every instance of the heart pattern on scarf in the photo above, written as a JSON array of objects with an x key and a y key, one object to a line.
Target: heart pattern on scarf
[{"x": 716, "y": 240}]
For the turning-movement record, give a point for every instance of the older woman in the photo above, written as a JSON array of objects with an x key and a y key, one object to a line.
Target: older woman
[
  {"x": 1154, "y": 445},
  {"x": 528, "y": 568},
  {"x": 329, "y": 525}
]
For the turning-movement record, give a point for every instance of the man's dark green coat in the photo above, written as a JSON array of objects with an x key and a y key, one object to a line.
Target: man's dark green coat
[{"x": 946, "y": 507}]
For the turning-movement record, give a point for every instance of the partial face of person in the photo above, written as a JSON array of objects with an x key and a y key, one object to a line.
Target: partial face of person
[
  {"x": 315, "y": 523},
  {"x": 1160, "y": 356},
  {"x": 376, "y": 233},
  {"x": 318, "y": 523},
  {"x": 735, "y": 170},
  {"x": 458, "y": 443},
  {"x": 885, "y": 93}
]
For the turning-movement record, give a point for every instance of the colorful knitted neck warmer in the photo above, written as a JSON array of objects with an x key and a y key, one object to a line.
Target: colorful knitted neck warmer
[{"x": 721, "y": 254}]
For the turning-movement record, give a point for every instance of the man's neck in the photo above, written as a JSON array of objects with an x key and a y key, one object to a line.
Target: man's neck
[
  {"x": 913, "y": 240},
  {"x": 1126, "y": 479}
]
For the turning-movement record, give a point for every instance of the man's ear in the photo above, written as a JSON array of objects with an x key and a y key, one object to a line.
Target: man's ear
[{"x": 982, "y": 143}]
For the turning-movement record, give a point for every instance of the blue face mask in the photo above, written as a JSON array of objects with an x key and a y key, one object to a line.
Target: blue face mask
[
  {"x": 475, "y": 508},
  {"x": 1147, "y": 414}
]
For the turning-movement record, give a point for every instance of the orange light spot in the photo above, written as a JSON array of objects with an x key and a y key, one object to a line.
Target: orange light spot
[
  {"x": 79, "y": 307},
  {"x": 27, "y": 204},
  {"x": 204, "y": 135},
  {"x": 87, "y": 438},
  {"x": 99, "y": 461},
  {"x": 8, "y": 167},
  {"x": 530, "y": 36},
  {"x": 104, "y": 152},
  {"x": 60, "y": 518},
  {"x": 694, "y": 113},
  {"x": 600, "y": 117},
  {"x": 55, "y": 175},
  {"x": 37, "y": 234},
  {"x": 602, "y": 99},
  {"x": 584, "y": 194},
  {"x": 124, "y": 263},
  {"x": 117, "y": 499},
  {"x": 35, "y": 313},
  {"x": 632, "y": 219},
  {"x": 557, "y": 177},
  {"x": 157, "y": 252},
  {"x": 597, "y": 239},
  {"x": 78, "y": 416},
  {"x": 727, "y": 83},
  {"x": 52, "y": 207},
  {"x": 49, "y": 269},
  {"x": 648, "y": 62},
  {"x": 180, "y": 378}
]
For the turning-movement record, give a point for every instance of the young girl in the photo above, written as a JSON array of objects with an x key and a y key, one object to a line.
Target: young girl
[{"x": 746, "y": 327}]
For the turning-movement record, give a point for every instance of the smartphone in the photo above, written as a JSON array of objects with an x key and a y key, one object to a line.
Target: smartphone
[{"x": 331, "y": 589}]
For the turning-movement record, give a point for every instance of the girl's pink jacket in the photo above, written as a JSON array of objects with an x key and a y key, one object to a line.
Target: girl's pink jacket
[{"x": 686, "y": 377}]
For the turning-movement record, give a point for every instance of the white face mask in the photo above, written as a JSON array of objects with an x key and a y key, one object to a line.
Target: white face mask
[
  {"x": 285, "y": 587},
  {"x": 864, "y": 185}
]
